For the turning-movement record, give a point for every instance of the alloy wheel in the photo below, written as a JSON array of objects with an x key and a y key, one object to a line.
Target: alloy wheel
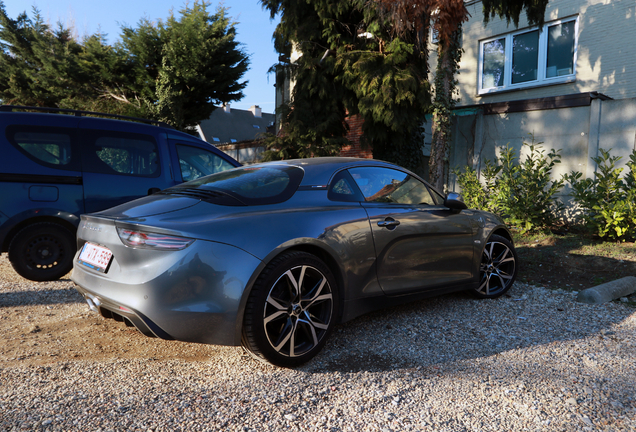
[
  {"x": 497, "y": 269},
  {"x": 298, "y": 311}
]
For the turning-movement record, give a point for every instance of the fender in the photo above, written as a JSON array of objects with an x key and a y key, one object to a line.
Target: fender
[
  {"x": 293, "y": 244},
  {"x": 15, "y": 223}
]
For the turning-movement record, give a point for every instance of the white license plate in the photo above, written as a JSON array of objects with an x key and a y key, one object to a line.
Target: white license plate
[{"x": 96, "y": 257}]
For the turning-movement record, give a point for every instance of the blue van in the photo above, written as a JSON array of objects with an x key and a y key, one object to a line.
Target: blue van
[{"x": 56, "y": 164}]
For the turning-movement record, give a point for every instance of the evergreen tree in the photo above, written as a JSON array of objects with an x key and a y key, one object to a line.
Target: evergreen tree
[
  {"x": 175, "y": 71},
  {"x": 350, "y": 63}
]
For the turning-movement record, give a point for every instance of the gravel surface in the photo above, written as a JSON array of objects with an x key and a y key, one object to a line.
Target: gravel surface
[{"x": 532, "y": 361}]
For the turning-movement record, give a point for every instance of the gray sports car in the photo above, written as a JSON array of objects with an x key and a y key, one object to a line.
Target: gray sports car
[{"x": 272, "y": 256}]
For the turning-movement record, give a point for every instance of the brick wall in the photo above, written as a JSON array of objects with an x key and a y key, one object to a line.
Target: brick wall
[{"x": 355, "y": 133}]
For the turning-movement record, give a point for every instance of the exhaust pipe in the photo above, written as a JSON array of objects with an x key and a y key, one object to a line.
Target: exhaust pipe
[{"x": 93, "y": 303}]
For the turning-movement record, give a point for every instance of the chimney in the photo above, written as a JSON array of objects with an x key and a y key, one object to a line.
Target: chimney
[
  {"x": 256, "y": 111},
  {"x": 226, "y": 108}
]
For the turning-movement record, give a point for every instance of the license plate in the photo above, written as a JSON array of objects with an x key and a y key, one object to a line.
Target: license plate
[{"x": 96, "y": 257}]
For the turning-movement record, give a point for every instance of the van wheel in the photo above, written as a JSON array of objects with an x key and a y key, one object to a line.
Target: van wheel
[{"x": 42, "y": 251}]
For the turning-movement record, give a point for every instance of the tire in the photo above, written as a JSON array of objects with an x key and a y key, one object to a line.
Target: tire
[
  {"x": 42, "y": 252},
  {"x": 291, "y": 310},
  {"x": 498, "y": 268}
]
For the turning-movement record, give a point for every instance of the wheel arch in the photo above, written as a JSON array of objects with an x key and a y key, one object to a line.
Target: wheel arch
[
  {"x": 66, "y": 220},
  {"x": 311, "y": 246},
  {"x": 502, "y": 232}
]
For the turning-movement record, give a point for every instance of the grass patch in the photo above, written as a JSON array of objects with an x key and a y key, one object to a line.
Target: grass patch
[{"x": 572, "y": 261}]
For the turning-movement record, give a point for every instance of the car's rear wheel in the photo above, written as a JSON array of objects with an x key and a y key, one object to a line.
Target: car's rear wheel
[
  {"x": 498, "y": 268},
  {"x": 42, "y": 252},
  {"x": 291, "y": 310}
]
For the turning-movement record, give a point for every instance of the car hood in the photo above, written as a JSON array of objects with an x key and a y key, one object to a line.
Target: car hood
[{"x": 148, "y": 206}]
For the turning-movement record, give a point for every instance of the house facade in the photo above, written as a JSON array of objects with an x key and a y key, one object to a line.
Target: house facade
[{"x": 571, "y": 83}]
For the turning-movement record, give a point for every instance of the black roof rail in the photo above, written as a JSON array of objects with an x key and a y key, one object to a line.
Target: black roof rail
[{"x": 79, "y": 113}]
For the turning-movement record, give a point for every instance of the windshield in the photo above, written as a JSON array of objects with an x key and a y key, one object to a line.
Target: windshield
[{"x": 258, "y": 185}]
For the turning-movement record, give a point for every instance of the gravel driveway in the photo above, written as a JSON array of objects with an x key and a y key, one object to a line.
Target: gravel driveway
[{"x": 534, "y": 360}]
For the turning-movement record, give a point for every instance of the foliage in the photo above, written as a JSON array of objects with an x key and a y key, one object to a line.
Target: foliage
[
  {"x": 175, "y": 71},
  {"x": 352, "y": 62},
  {"x": 511, "y": 10},
  {"x": 473, "y": 192},
  {"x": 523, "y": 193},
  {"x": 608, "y": 201},
  {"x": 369, "y": 57}
]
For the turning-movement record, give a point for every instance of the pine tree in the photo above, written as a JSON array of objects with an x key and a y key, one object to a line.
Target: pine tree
[{"x": 175, "y": 71}]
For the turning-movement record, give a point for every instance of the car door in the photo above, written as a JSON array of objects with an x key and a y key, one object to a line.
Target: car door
[
  {"x": 419, "y": 243},
  {"x": 121, "y": 166}
]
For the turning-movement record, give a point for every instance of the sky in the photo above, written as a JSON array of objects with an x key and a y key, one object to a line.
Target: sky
[{"x": 254, "y": 30}]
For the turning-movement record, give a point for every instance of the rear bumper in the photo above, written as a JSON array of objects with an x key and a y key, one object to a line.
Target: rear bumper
[
  {"x": 196, "y": 297},
  {"x": 110, "y": 310}
]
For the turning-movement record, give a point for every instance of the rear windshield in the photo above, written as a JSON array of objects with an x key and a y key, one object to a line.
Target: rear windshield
[{"x": 247, "y": 186}]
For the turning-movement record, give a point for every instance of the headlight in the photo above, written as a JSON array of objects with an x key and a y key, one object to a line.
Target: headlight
[{"x": 147, "y": 240}]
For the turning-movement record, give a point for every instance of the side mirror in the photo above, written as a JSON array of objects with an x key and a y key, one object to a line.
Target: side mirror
[{"x": 454, "y": 201}]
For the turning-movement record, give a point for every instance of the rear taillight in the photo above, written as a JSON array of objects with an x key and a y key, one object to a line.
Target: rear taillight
[{"x": 147, "y": 240}]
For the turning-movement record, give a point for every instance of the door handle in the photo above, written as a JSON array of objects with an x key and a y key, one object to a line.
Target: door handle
[
  {"x": 388, "y": 223},
  {"x": 153, "y": 190}
]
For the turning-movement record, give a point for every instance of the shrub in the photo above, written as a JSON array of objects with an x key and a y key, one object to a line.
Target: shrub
[
  {"x": 522, "y": 193},
  {"x": 473, "y": 192},
  {"x": 607, "y": 202}
]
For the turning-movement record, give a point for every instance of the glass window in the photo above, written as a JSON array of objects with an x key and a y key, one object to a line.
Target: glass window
[
  {"x": 108, "y": 152},
  {"x": 525, "y": 57},
  {"x": 560, "y": 50},
  {"x": 390, "y": 186},
  {"x": 256, "y": 185},
  {"x": 45, "y": 145},
  {"x": 196, "y": 162},
  {"x": 529, "y": 58},
  {"x": 344, "y": 188},
  {"x": 494, "y": 63}
]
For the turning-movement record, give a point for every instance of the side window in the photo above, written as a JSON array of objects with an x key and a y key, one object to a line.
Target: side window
[
  {"x": 48, "y": 146},
  {"x": 344, "y": 188},
  {"x": 107, "y": 152},
  {"x": 195, "y": 162},
  {"x": 387, "y": 185}
]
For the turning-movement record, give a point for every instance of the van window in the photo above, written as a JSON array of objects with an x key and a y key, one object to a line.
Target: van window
[
  {"x": 48, "y": 146},
  {"x": 195, "y": 162},
  {"x": 131, "y": 154}
]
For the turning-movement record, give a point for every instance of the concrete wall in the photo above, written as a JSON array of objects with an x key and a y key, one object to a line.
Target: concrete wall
[
  {"x": 606, "y": 57},
  {"x": 578, "y": 132}
]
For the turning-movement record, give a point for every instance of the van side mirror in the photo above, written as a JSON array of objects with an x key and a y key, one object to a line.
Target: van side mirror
[{"x": 454, "y": 201}]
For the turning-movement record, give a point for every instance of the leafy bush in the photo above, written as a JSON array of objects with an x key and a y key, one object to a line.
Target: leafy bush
[
  {"x": 473, "y": 192},
  {"x": 522, "y": 193},
  {"x": 608, "y": 202}
]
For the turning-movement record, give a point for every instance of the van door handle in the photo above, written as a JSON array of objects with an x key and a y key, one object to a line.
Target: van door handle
[{"x": 153, "y": 190}]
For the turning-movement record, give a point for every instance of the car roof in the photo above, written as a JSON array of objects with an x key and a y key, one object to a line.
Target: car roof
[{"x": 319, "y": 170}]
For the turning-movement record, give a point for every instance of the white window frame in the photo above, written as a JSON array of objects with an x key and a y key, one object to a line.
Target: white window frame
[{"x": 541, "y": 80}]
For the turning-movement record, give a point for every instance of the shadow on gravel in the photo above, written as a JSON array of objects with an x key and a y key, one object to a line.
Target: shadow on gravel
[
  {"x": 456, "y": 327},
  {"x": 23, "y": 298}
]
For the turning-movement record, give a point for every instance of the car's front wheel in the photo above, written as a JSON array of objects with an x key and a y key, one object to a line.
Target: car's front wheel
[
  {"x": 42, "y": 252},
  {"x": 291, "y": 310},
  {"x": 498, "y": 268}
]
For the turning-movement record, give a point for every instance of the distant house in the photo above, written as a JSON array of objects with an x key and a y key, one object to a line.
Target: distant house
[
  {"x": 234, "y": 131},
  {"x": 571, "y": 83}
]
